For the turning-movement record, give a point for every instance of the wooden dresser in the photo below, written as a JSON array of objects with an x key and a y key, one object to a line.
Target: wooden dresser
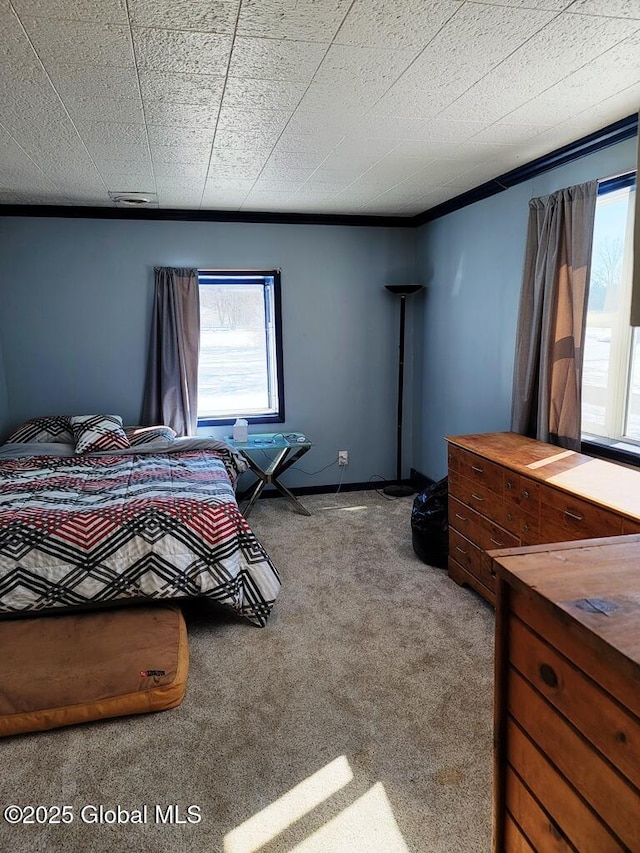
[
  {"x": 507, "y": 490},
  {"x": 567, "y": 700}
]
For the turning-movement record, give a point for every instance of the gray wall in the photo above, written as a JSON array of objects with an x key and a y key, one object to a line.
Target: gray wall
[
  {"x": 76, "y": 302},
  {"x": 4, "y": 402},
  {"x": 472, "y": 262}
]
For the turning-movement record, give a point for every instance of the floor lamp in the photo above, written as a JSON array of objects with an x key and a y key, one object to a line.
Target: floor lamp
[{"x": 398, "y": 490}]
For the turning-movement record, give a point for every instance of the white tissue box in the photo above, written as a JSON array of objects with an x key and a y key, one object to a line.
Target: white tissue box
[{"x": 240, "y": 431}]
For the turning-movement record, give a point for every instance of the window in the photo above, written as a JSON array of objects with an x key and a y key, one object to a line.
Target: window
[
  {"x": 240, "y": 363},
  {"x": 611, "y": 372}
]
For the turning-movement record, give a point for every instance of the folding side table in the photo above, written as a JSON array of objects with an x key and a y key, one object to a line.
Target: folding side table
[{"x": 288, "y": 447}]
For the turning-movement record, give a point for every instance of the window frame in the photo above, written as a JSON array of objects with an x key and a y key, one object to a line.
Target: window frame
[
  {"x": 621, "y": 448},
  {"x": 277, "y": 354}
]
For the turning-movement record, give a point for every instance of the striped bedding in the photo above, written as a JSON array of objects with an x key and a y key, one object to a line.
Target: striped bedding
[{"x": 78, "y": 531}]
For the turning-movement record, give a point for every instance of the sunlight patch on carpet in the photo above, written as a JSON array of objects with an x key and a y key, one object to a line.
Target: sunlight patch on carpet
[{"x": 299, "y": 801}]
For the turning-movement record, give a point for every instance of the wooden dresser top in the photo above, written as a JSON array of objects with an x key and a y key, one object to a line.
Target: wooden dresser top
[
  {"x": 604, "y": 483},
  {"x": 596, "y": 583}
]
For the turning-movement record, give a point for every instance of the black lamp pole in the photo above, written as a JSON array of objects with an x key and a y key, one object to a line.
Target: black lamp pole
[{"x": 398, "y": 489}]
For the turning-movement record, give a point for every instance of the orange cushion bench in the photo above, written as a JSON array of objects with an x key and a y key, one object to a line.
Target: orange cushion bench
[{"x": 60, "y": 670}]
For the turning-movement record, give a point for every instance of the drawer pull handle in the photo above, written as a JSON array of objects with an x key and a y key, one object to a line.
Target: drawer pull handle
[
  {"x": 548, "y": 675},
  {"x": 525, "y": 494},
  {"x": 477, "y": 470},
  {"x": 461, "y": 517},
  {"x": 574, "y": 515},
  {"x": 477, "y": 498},
  {"x": 499, "y": 544},
  {"x": 462, "y": 550},
  {"x": 509, "y": 484},
  {"x": 509, "y": 517},
  {"x": 525, "y": 528}
]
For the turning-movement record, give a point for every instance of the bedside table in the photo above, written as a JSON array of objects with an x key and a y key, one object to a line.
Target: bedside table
[{"x": 289, "y": 448}]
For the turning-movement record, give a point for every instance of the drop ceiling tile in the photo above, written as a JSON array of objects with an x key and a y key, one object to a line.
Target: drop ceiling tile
[
  {"x": 177, "y": 52},
  {"x": 416, "y": 129},
  {"x": 185, "y": 154},
  {"x": 242, "y": 93},
  {"x": 507, "y": 133},
  {"x": 181, "y": 88},
  {"x": 108, "y": 152},
  {"x": 79, "y": 43},
  {"x": 129, "y": 182},
  {"x": 313, "y": 143},
  {"x": 549, "y": 5},
  {"x": 612, "y": 8},
  {"x": 346, "y": 99},
  {"x": 275, "y": 59},
  {"x": 109, "y": 168},
  {"x": 174, "y": 137},
  {"x": 365, "y": 65},
  {"x": 270, "y": 185},
  {"x": 266, "y": 120},
  {"x": 233, "y": 184},
  {"x": 186, "y": 183},
  {"x": 286, "y": 174},
  {"x": 95, "y": 82},
  {"x": 116, "y": 110},
  {"x": 203, "y": 16},
  {"x": 353, "y": 162},
  {"x": 238, "y": 157},
  {"x": 105, "y": 133},
  {"x": 228, "y": 171},
  {"x": 302, "y": 20},
  {"x": 295, "y": 159},
  {"x": 412, "y": 24},
  {"x": 475, "y": 41},
  {"x": 625, "y": 54},
  {"x": 191, "y": 172},
  {"x": 105, "y": 11},
  {"x": 180, "y": 115},
  {"x": 245, "y": 139}
]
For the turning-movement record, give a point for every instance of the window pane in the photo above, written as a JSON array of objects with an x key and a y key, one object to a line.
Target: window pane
[
  {"x": 607, "y": 331},
  {"x": 633, "y": 405},
  {"x": 234, "y": 366}
]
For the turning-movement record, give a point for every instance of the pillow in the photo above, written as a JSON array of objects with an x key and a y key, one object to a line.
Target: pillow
[
  {"x": 98, "y": 432},
  {"x": 54, "y": 429},
  {"x": 143, "y": 435}
]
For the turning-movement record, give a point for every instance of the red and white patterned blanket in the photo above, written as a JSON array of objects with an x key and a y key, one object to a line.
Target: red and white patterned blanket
[{"x": 81, "y": 530}]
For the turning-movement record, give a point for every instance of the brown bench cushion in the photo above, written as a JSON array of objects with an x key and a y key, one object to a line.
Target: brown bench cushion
[{"x": 59, "y": 670}]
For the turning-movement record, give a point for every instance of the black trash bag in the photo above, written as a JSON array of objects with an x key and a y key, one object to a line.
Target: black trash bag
[{"x": 430, "y": 525}]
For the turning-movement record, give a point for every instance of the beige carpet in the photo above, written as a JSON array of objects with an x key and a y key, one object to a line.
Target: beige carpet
[{"x": 359, "y": 719}]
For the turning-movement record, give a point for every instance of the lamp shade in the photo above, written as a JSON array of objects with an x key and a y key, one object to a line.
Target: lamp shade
[{"x": 403, "y": 289}]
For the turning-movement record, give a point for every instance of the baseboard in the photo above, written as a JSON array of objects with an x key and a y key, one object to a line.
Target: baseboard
[{"x": 270, "y": 492}]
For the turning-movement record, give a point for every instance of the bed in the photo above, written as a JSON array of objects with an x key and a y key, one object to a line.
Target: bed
[{"x": 83, "y": 526}]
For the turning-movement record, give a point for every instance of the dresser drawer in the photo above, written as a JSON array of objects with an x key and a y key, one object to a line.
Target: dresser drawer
[
  {"x": 477, "y": 469},
  {"x": 521, "y": 493},
  {"x": 602, "y": 721},
  {"x": 522, "y": 524},
  {"x": 477, "y": 496},
  {"x": 480, "y": 530},
  {"x": 473, "y": 559},
  {"x": 580, "y": 518},
  {"x": 585, "y": 769}
]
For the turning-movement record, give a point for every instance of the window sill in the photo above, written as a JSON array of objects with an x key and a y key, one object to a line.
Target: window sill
[{"x": 614, "y": 449}]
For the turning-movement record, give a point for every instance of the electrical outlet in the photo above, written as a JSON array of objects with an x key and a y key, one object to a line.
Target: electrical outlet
[{"x": 343, "y": 457}]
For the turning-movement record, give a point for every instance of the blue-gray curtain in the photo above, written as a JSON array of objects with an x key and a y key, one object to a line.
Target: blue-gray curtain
[
  {"x": 547, "y": 379},
  {"x": 171, "y": 389}
]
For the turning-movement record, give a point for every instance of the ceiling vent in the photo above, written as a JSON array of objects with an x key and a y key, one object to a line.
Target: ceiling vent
[{"x": 125, "y": 199}]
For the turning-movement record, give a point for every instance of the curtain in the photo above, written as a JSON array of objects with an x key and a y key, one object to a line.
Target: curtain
[
  {"x": 635, "y": 274},
  {"x": 171, "y": 390},
  {"x": 547, "y": 382}
]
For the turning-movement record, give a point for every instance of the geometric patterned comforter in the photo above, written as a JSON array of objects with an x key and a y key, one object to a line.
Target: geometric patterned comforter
[{"x": 89, "y": 530}]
